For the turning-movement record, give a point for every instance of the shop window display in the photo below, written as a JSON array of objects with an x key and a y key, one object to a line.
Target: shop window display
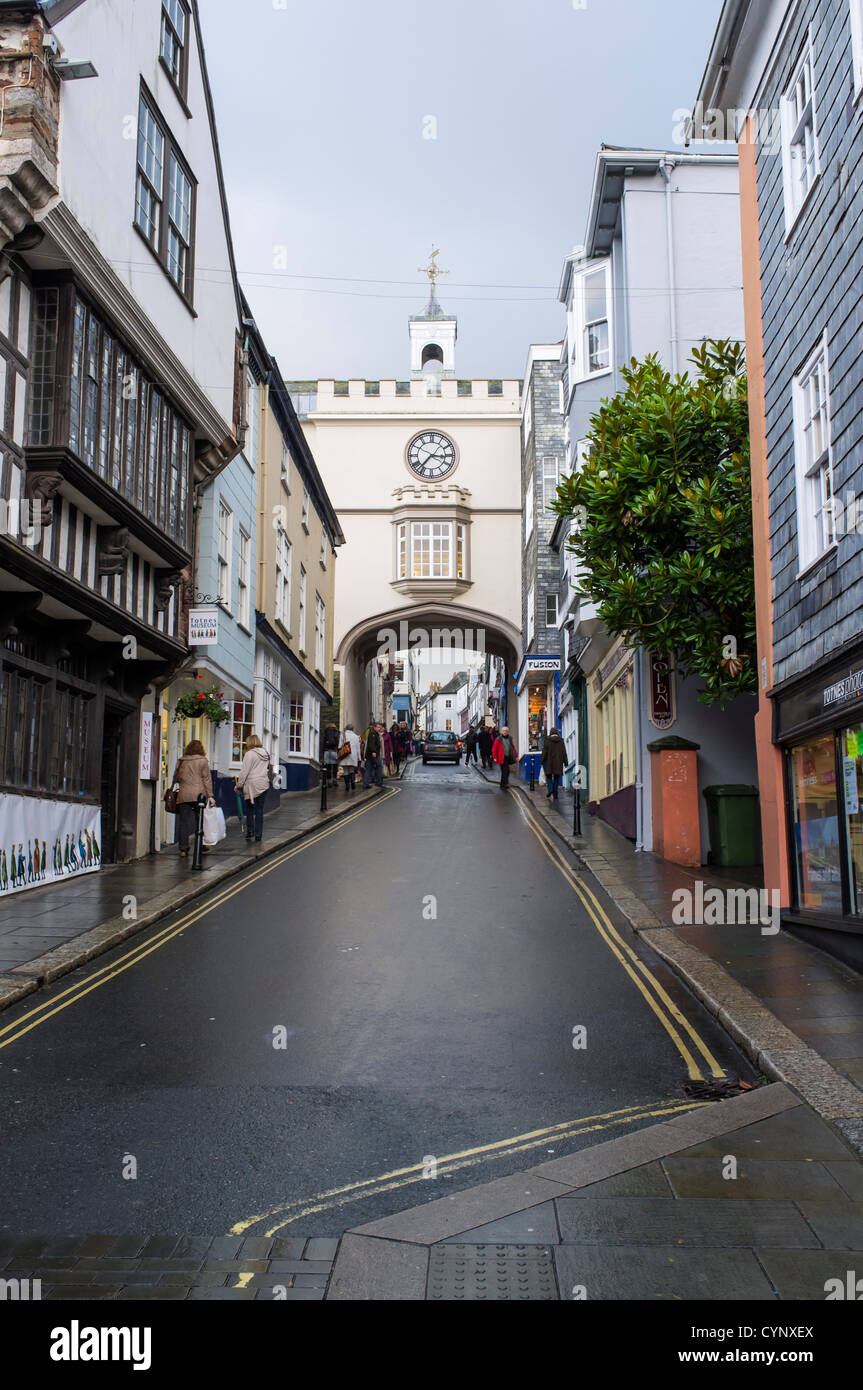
[{"x": 816, "y": 825}]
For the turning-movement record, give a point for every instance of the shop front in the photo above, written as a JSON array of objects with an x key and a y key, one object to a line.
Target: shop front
[
  {"x": 612, "y": 740},
  {"x": 538, "y": 691},
  {"x": 818, "y": 722}
]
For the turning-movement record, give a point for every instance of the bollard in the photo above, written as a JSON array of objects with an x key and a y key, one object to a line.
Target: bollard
[
  {"x": 324, "y": 775},
  {"x": 576, "y": 810},
  {"x": 530, "y": 756},
  {"x": 198, "y": 855}
]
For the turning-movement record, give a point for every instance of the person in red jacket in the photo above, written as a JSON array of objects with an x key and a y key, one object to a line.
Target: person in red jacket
[{"x": 504, "y": 753}]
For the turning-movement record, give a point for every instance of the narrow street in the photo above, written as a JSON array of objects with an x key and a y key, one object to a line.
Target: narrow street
[{"x": 428, "y": 963}]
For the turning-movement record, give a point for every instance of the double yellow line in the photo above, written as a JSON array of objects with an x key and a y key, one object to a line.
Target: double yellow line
[
  {"x": 289, "y": 1212},
  {"x": 672, "y": 1020},
  {"x": 34, "y": 1017}
]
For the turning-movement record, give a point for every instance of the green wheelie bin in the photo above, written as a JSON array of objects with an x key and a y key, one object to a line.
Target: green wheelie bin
[{"x": 733, "y": 825}]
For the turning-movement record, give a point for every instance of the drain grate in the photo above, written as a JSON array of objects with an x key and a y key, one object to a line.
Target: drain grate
[{"x": 491, "y": 1273}]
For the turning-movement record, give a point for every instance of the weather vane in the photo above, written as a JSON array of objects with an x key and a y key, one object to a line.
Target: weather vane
[{"x": 432, "y": 270}]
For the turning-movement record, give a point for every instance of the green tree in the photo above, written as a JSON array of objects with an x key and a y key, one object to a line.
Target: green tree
[{"x": 663, "y": 518}]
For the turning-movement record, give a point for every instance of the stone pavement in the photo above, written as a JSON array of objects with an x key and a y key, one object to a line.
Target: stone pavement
[
  {"x": 46, "y": 932},
  {"x": 795, "y": 1010},
  {"x": 191, "y": 1268},
  {"x": 752, "y": 1198}
]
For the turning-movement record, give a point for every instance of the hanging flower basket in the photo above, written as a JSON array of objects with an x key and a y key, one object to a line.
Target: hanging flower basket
[{"x": 202, "y": 706}]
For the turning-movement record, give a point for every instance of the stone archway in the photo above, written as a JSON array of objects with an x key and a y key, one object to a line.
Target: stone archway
[{"x": 435, "y": 625}]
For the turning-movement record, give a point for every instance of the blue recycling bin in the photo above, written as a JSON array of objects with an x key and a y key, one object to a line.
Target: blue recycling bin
[{"x": 524, "y": 766}]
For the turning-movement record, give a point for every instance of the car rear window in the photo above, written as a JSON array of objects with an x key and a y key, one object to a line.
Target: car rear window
[{"x": 441, "y": 738}]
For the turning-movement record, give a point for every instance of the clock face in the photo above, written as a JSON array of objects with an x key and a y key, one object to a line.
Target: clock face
[{"x": 431, "y": 455}]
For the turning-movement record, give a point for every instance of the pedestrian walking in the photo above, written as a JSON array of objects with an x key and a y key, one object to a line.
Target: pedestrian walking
[
  {"x": 373, "y": 758},
  {"x": 387, "y": 743},
  {"x": 484, "y": 743},
  {"x": 504, "y": 753},
  {"x": 331, "y": 744},
  {"x": 470, "y": 745},
  {"x": 191, "y": 778},
  {"x": 252, "y": 782},
  {"x": 553, "y": 762},
  {"x": 351, "y": 760}
]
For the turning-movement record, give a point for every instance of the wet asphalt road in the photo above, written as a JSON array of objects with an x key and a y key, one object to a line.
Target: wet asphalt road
[{"x": 408, "y": 1036}]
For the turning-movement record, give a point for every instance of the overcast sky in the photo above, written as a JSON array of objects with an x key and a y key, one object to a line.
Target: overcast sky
[{"x": 335, "y": 194}]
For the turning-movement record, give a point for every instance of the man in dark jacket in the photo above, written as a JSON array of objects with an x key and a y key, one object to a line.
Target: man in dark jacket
[
  {"x": 484, "y": 742},
  {"x": 553, "y": 762},
  {"x": 470, "y": 745},
  {"x": 373, "y": 754}
]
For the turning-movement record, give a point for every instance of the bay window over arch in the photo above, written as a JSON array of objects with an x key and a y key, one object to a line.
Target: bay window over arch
[{"x": 431, "y": 549}]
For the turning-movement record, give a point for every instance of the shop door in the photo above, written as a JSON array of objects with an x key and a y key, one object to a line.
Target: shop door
[{"x": 110, "y": 775}]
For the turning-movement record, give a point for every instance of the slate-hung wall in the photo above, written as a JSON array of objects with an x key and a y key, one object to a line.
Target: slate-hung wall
[
  {"x": 541, "y": 566},
  {"x": 811, "y": 288}
]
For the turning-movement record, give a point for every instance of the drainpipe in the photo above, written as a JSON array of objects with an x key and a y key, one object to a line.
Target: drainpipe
[
  {"x": 639, "y": 750},
  {"x": 666, "y": 169}
]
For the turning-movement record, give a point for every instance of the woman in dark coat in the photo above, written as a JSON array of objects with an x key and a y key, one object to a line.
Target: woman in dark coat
[
  {"x": 553, "y": 762},
  {"x": 485, "y": 742}
]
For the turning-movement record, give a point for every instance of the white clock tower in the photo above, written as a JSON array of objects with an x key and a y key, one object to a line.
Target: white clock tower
[{"x": 425, "y": 475}]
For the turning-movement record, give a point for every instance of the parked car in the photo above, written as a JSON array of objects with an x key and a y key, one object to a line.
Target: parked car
[{"x": 442, "y": 747}]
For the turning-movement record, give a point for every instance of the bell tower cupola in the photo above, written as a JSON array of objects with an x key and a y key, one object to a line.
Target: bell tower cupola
[{"x": 433, "y": 334}]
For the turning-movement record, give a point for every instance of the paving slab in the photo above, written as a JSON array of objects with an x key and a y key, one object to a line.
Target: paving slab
[
  {"x": 756, "y": 1178},
  {"x": 664, "y": 1272},
  {"x": 837, "y": 1224},
  {"x": 464, "y": 1211},
  {"x": 537, "y": 1225},
  {"x": 698, "y": 1221},
  {"x": 802, "y": 1274},
  {"x": 369, "y": 1269},
  {"x": 646, "y": 1181},
  {"x": 849, "y": 1176},
  {"x": 796, "y": 1133}
]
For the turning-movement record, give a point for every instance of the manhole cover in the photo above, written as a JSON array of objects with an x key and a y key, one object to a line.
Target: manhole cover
[{"x": 491, "y": 1273}]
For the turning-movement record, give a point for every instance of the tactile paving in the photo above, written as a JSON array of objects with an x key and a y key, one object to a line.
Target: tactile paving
[{"x": 492, "y": 1273}]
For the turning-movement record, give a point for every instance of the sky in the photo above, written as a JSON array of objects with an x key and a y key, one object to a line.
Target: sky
[{"x": 357, "y": 137}]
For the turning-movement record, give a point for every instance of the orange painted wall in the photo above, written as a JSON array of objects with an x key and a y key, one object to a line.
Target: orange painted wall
[{"x": 770, "y": 781}]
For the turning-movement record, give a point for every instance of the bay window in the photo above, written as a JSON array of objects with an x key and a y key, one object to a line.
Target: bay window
[
  {"x": 427, "y": 549},
  {"x": 88, "y": 392},
  {"x": 591, "y": 321}
]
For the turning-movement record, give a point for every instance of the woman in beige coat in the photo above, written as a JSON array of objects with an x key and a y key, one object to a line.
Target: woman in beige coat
[
  {"x": 192, "y": 776},
  {"x": 253, "y": 780}
]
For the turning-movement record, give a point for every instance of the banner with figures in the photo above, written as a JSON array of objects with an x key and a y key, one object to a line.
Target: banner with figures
[{"x": 46, "y": 841}]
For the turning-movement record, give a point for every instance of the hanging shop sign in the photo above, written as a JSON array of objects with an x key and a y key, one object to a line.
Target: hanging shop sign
[
  {"x": 203, "y": 627},
  {"x": 148, "y": 767},
  {"x": 46, "y": 841},
  {"x": 661, "y": 712}
]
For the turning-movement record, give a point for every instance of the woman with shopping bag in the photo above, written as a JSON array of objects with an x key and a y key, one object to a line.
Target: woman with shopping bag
[
  {"x": 191, "y": 778},
  {"x": 253, "y": 780}
]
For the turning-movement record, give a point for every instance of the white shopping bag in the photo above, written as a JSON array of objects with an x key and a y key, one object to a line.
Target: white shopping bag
[{"x": 214, "y": 825}]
